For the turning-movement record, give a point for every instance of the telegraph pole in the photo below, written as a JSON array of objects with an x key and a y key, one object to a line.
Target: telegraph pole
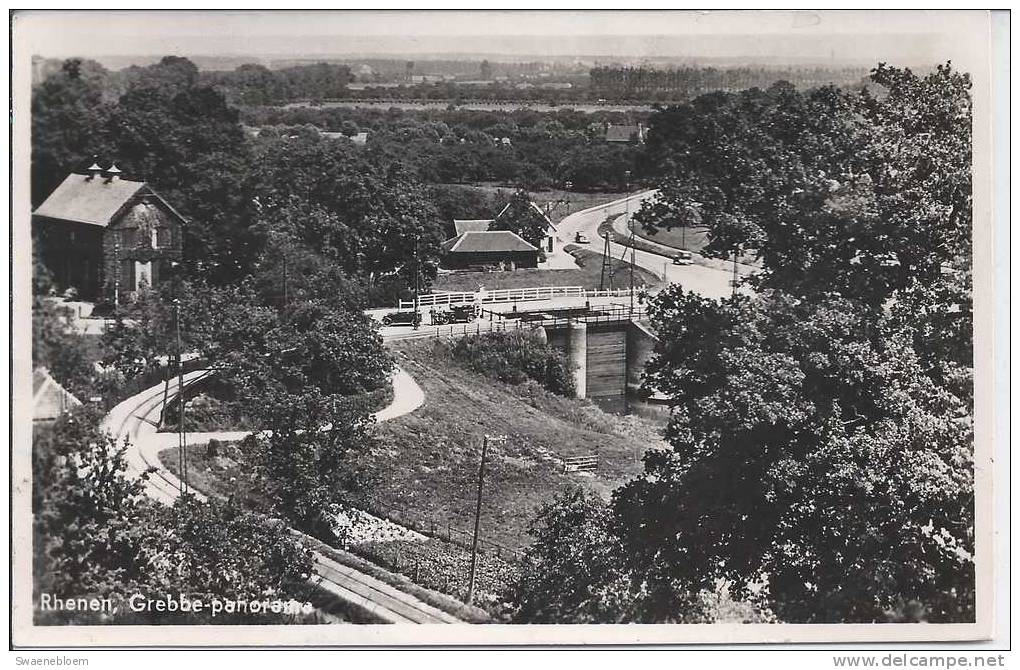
[
  {"x": 478, "y": 516},
  {"x": 632, "y": 261},
  {"x": 733, "y": 281},
  {"x": 116, "y": 271},
  {"x": 416, "y": 321},
  {"x": 607, "y": 264}
]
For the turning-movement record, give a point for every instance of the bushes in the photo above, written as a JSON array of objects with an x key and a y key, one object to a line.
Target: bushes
[
  {"x": 444, "y": 567},
  {"x": 514, "y": 358}
]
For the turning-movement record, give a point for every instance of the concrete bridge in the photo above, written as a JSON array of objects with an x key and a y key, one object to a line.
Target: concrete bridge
[{"x": 607, "y": 347}]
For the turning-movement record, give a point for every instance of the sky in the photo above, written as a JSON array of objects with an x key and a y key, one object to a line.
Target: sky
[{"x": 845, "y": 37}]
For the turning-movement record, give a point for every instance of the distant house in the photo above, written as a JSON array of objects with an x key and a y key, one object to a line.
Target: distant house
[
  {"x": 104, "y": 235},
  {"x": 360, "y": 139},
  {"x": 491, "y": 248},
  {"x": 625, "y": 134},
  {"x": 49, "y": 399}
]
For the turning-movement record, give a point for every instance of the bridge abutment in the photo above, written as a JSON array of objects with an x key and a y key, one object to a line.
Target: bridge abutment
[{"x": 577, "y": 356}]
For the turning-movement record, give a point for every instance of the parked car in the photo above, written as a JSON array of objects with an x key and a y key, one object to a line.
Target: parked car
[
  {"x": 683, "y": 258},
  {"x": 402, "y": 319},
  {"x": 458, "y": 314},
  {"x": 581, "y": 238}
]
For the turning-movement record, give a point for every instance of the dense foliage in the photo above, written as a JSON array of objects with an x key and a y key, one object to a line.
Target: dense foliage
[
  {"x": 515, "y": 357},
  {"x": 521, "y": 217},
  {"x": 163, "y": 124},
  {"x": 97, "y": 536},
  {"x": 821, "y": 460},
  {"x": 522, "y": 147},
  {"x": 686, "y": 83}
]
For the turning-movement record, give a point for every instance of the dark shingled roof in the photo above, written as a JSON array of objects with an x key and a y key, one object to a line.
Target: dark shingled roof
[
  {"x": 487, "y": 241},
  {"x": 471, "y": 225}
]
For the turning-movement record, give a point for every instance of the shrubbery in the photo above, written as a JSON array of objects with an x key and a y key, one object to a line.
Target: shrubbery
[
  {"x": 444, "y": 567},
  {"x": 514, "y": 358}
]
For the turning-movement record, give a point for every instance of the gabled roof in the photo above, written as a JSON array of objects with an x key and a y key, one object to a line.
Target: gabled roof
[
  {"x": 548, "y": 222},
  {"x": 471, "y": 225},
  {"x": 487, "y": 241},
  {"x": 49, "y": 399},
  {"x": 94, "y": 201}
]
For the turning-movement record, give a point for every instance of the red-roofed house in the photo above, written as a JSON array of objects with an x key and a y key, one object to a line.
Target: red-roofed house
[
  {"x": 499, "y": 248},
  {"x": 105, "y": 235}
]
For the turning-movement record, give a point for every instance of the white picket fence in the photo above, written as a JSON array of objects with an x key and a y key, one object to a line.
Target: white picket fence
[{"x": 448, "y": 299}]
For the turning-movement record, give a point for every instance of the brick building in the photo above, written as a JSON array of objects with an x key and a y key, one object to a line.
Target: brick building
[{"x": 106, "y": 236}]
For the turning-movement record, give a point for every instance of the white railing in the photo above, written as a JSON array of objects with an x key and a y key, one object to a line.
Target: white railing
[{"x": 448, "y": 299}]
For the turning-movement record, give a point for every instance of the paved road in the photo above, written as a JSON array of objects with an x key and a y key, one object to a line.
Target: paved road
[
  {"x": 136, "y": 420},
  {"x": 709, "y": 282}
]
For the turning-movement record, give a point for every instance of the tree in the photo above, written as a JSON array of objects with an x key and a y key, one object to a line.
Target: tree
[
  {"x": 85, "y": 511},
  {"x": 833, "y": 191},
  {"x": 520, "y": 216},
  {"x": 307, "y": 464},
  {"x": 573, "y": 572},
  {"x": 820, "y": 455},
  {"x": 188, "y": 143},
  {"x": 812, "y": 456},
  {"x": 362, "y": 215},
  {"x": 95, "y": 535},
  {"x": 69, "y": 112},
  {"x": 217, "y": 550}
]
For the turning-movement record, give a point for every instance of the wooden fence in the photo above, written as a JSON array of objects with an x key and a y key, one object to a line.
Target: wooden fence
[
  {"x": 448, "y": 299},
  {"x": 581, "y": 464}
]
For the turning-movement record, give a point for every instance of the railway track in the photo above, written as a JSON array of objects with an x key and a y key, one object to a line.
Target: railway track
[{"x": 136, "y": 419}]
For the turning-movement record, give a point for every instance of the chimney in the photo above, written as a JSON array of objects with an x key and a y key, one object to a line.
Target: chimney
[
  {"x": 112, "y": 174},
  {"x": 94, "y": 171}
]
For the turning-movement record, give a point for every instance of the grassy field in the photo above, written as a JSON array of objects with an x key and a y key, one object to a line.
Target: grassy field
[
  {"x": 586, "y": 276},
  {"x": 426, "y": 468},
  {"x": 567, "y": 202},
  {"x": 693, "y": 239}
]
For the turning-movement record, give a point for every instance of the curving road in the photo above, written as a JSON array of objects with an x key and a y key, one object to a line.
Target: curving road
[
  {"x": 136, "y": 420},
  {"x": 706, "y": 281}
]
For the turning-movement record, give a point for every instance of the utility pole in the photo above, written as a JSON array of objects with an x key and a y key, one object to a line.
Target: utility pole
[
  {"x": 478, "y": 514},
  {"x": 116, "y": 271},
  {"x": 182, "y": 438},
  {"x": 633, "y": 260},
  {"x": 607, "y": 264},
  {"x": 733, "y": 282},
  {"x": 416, "y": 321}
]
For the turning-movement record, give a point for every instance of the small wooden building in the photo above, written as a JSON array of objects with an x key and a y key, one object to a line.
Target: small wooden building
[
  {"x": 107, "y": 236},
  {"x": 501, "y": 249}
]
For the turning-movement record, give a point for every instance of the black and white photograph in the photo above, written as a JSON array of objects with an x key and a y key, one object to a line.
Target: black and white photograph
[{"x": 329, "y": 324}]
